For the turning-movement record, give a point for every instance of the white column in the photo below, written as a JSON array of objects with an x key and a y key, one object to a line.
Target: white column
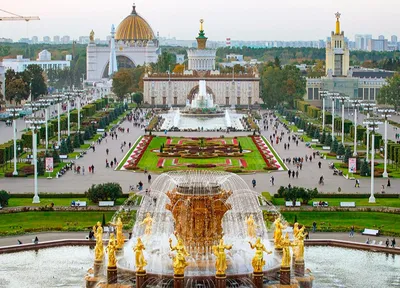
[
  {"x": 333, "y": 119},
  {"x": 343, "y": 123},
  {"x": 68, "y": 116},
  {"x": 372, "y": 197},
  {"x": 323, "y": 114},
  {"x": 79, "y": 114},
  {"x": 15, "y": 146},
  {"x": 58, "y": 119},
  {"x": 34, "y": 146},
  {"x": 385, "y": 174},
  {"x": 367, "y": 155},
  {"x": 355, "y": 131},
  {"x": 46, "y": 115}
]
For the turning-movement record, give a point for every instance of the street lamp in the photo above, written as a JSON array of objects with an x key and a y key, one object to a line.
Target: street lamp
[
  {"x": 333, "y": 95},
  {"x": 34, "y": 124},
  {"x": 372, "y": 124},
  {"x": 342, "y": 98},
  {"x": 323, "y": 94},
  {"x": 368, "y": 106},
  {"x": 386, "y": 112},
  {"x": 59, "y": 98},
  {"x": 14, "y": 111},
  {"x": 356, "y": 103}
]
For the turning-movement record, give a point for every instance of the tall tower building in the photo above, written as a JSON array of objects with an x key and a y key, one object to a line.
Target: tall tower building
[
  {"x": 112, "y": 67},
  {"x": 337, "y": 52}
]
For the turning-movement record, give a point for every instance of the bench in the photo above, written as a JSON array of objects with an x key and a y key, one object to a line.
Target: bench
[
  {"x": 348, "y": 204},
  {"x": 316, "y": 204},
  {"x": 326, "y": 147},
  {"x": 314, "y": 140},
  {"x": 290, "y": 204},
  {"x": 371, "y": 232},
  {"x": 300, "y": 131},
  {"x": 78, "y": 204},
  {"x": 63, "y": 156},
  {"x": 106, "y": 203},
  {"x": 100, "y": 130},
  {"x": 339, "y": 157}
]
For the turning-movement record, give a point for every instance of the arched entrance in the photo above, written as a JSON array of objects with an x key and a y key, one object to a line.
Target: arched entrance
[
  {"x": 122, "y": 62},
  {"x": 195, "y": 90}
]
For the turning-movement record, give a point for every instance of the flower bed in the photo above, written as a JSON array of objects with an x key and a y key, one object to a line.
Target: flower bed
[
  {"x": 270, "y": 161},
  {"x": 201, "y": 165}
]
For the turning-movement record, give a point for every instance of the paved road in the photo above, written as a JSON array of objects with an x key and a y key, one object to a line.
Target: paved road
[
  {"x": 308, "y": 177},
  {"x": 50, "y": 236}
]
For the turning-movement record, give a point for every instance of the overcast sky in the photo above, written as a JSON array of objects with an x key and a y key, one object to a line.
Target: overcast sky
[{"x": 240, "y": 20}]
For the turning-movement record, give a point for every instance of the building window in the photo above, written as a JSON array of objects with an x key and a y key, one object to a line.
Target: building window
[
  {"x": 175, "y": 100},
  {"x": 338, "y": 64},
  {"x": 249, "y": 101},
  {"x": 238, "y": 101},
  {"x": 226, "y": 100},
  {"x": 310, "y": 93},
  {"x": 366, "y": 94},
  {"x": 164, "y": 100},
  {"x": 153, "y": 100},
  {"x": 360, "y": 93},
  {"x": 372, "y": 93},
  {"x": 316, "y": 94}
]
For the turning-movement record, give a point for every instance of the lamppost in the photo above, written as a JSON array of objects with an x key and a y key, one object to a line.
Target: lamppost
[
  {"x": 342, "y": 99},
  {"x": 386, "y": 112},
  {"x": 333, "y": 95},
  {"x": 58, "y": 97},
  {"x": 368, "y": 106},
  {"x": 372, "y": 124},
  {"x": 68, "y": 115},
  {"x": 323, "y": 94},
  {"x": 34, "y": 124},
  {"x": 78, "y": 98},
  {"x": 356, "y": 103},
  {"x": 14, "y": 111}
]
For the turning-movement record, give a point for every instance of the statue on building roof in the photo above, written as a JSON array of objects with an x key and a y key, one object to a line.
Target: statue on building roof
[{"x": 91, "y": 37}]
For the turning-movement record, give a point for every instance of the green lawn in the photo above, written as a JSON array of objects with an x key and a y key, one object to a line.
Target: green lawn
[
  {"x": 254, "y": 160},
  {"x": 19, "y": 223},
  {"x": 388, "y": 224},
  {"x": 14, "y": 202},
  {"x": 388, "y": 202}
]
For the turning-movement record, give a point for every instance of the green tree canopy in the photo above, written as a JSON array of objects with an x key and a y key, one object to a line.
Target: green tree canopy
[
  {"x": 122, "y": 83},
  {"x": 35, "y": 76},
  {"x": 390, "y": 93}
]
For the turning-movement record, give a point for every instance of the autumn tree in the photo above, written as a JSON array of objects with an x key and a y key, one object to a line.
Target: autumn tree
[
  {"x": 122, "y": 83},
  {"x": 390, "y": 93},
  {"x": 179, "y": 69}
]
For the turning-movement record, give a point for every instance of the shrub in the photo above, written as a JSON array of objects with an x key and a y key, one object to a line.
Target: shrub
[
  {"x": 104, "y": 192},
  {"x": 202, "y": 165},
  {"x": 233, "y": 170},
  {"x": 4, "y": 196}
]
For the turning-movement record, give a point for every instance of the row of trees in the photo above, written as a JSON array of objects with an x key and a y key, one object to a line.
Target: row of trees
[{"x": 294, "y": 193}]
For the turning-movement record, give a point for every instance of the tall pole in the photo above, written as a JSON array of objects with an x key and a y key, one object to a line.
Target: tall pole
[
  {"x": 385, "y": 173},
  {"x": 79, "y": 114},
  {"x": 355, "y": 131},
  {"x": 46, "y": 115},
  {"x": 367, "y": 155},
  {"x": 34, "y": 146},
  {"x": 59, "y": 128},
  {"x": 69, "y": 131},
  {"x": 372, "y": 197},
  {"x": 333, "y": 119},
  {"x": 15, "y": 173},
  {"x": 323, "y": 113},
  {"x": 343, "y": 122}
]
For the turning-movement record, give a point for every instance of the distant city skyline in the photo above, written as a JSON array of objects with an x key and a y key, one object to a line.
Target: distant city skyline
[{"x": 289, "y": 20}]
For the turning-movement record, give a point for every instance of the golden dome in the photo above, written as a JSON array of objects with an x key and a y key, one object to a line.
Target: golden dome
[{"x": 134, "y": 27}]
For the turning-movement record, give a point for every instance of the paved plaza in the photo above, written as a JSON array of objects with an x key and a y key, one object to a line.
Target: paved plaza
[{"x": 75, "y": 183}]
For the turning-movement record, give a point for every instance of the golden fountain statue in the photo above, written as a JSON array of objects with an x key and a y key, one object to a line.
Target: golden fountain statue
[
  {"x": 251, "y": 227},
  {"x": 111, "y": 249},
  {"x": 179, "y": 261},
  {"x": 258, "y": 260},
  {"x": 219, "y": 252},
  {"x": 148, "y": 221},
  {"x": 140, "y": 262},
  {"x": 120, "y": 234},
  {"x": 295, "y": 229},
  {"x": 91, "y": 37},
  {"x": 98, "y": 234},
  {"x": 278, "y": 232},
  {"x": 286, "y": 244},
  {"x": 299, "y": 241}
]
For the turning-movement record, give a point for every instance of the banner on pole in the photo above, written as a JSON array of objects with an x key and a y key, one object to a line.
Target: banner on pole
[
  {"x": 49, "y": 164},
  {"x": 352, "y": 165}
]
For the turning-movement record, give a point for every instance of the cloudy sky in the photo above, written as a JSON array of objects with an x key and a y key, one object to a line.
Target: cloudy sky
[{"x": 244, "y": 20}]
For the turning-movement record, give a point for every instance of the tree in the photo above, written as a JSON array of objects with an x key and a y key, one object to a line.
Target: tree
[
  {"x": 390, "y": 93},
  {"x": 63, "y": 147},
  {"x": 318, "y": 70},
  {"x": 316, "y": 134},
  {"x": 4, "y": 196},
  {"x": 56, "y": 157},
  {"x": 103, "y": 192},
  {"x": 166, "y": 62},
  {"x": 179, "y": 69},
  {"x": 322, "y": 138},
  {"x": 364, "y": 169},
  {"x": 334, "y": 146},
  {"x": 16, "y": 91},
  {"x": 347, "y": 155},
  {"x": 40, "y": 166},
  {"x": 69, "y": 145},
  {"x": 340, "y": 150},
  {"x": 328, "y": 140},
  {"x": 138, "y": 98},
  {"x": 35, "y": 75},
  {"x": 121, "y": 84},
  {"x": 77, "y": 142},
  {"x": 307, "y": 195}
]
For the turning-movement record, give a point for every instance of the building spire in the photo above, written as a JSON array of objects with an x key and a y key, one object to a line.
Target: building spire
[
  {"x": 337, "y": 14},
  {"x": 112, "y": 65},
  {"x": 201, "y": 39},
  {"x": 134, "y": 9}
]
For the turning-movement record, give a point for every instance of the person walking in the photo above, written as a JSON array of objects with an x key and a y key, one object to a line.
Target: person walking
[
  {"x": 254, "y": 183},
  {"x": 388, "y": 183},
  {"x": 393, "y": 243},
  {"x": 297, "y": 174},
  {"x": 293, "y": 173},
  {"x": 387, "y": 242},
  {"x": 314, "y": 227},
  {"x": 83, "y": 170},
  {"x": 92, "y": 168},
  {"x": 319, "y": 164},
  {"x": 107, "y": 151},
  {"x": 272, "y": 180},
  {"x": 351, "y": 231},
  {"x": 149, "y": 178},
  {"x": 289, "y": 173}
]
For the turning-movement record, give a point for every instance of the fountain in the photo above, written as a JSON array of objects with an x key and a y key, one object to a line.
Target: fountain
[{"x": 215, "y": 220}]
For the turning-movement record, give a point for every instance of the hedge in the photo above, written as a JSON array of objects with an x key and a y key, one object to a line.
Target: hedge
[
  {"x": 355, "y": 196},
  {"x": 55, "y": 195}
]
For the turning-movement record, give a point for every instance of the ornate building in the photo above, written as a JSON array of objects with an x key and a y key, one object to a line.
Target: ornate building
[
  {"x": 355, "y": 82},
  {"x": 179, "y": 89},
  {"x": 135, "y": 44}
]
